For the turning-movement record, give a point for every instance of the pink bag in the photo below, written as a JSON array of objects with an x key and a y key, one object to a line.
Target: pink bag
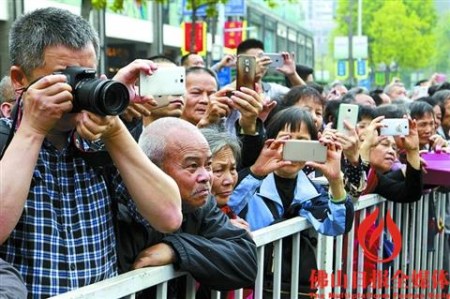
[{"x": 438, "y": 169}]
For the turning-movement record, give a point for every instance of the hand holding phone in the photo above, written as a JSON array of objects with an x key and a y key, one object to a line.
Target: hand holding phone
[
  {"x": 164, "y": 81},
  {"x": 276, "y": 58},
  {"x": 349, "y": 113}
]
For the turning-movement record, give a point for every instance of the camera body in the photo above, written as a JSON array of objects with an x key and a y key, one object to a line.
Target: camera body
[{"x": 102, "y": 97}]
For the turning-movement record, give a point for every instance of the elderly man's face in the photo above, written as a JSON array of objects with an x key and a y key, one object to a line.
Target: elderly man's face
[{"x": 188, "y": 162}]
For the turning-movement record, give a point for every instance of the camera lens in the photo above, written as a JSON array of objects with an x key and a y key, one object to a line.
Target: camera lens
[{"x": 103, "y": 97}]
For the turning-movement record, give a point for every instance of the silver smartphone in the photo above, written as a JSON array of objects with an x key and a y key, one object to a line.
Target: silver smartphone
[
  {"x": 166, "y": 81},
  {"x": 304, "y": 150},
  {"x": 394, "y": 127},
  {"x": 277, "y": 59},
  {"x": 348, "y": 112}
]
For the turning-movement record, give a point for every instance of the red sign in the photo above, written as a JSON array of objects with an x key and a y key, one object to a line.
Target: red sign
[
  {"x": 233, "y": 34},
  {"x": 199, "y": 44}
]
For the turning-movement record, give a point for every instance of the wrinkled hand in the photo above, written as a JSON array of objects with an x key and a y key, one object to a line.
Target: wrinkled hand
[
  {"x": 438, "y": 143},
  {"x": 270, "y": 158},
  {"x": 349, "y": 142},
  {"x": 91, "y": 126},
  {"x": 371, "y": 137},
  {"x": 409, "y": 142},
  {"x": 138, "y": 110},
  {"x": 262, "y": 64},
  {"x": 228, "y": 61},
  {"x": 129, "y": 75},
  {"x": 45, "y": 102},
  {"x": 249, "y": 104},
  {"x": 219, "y": 106},
  {"x": 241, "y": 223},
  {"x": 331, "y": 169},
  {"x": 157, "y": 255}
]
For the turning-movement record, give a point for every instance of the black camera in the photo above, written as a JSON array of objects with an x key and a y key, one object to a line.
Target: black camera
[{"x": 103, "y": 97}]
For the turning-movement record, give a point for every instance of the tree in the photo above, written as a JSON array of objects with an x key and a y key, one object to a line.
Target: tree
[
  {"x": 442, "y": 58},
  {"x": 401, "y": 36},
  {"x": 397, "y": 30}
]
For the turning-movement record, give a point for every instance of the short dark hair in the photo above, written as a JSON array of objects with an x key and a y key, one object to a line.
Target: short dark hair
[
  {"x": 391, "y": 110},
  {"x": 303, "y": 71},
  {"x": 418, "y": 109},
  {"x": 294, "y": 117},
  {"x": 375, "y": 94},
  {"x": 366, "y": 111},
  {"x": 248, "y": 44},
  {"x": 161, "y": 58},
  {"x": 298, "y": 93}
]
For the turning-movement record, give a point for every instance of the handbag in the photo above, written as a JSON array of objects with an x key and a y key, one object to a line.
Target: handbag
[{"x": 437, "y": 169}]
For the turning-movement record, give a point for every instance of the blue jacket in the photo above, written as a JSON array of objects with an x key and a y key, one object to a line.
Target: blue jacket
[{"x": 327, "y": 217}]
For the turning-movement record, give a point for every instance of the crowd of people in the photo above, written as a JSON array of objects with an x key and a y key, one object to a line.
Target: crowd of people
[{"x": 85, "y": 197}]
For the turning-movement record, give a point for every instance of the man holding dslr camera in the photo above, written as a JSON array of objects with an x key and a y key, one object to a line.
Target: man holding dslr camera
[{"x": 56, "y": 220}]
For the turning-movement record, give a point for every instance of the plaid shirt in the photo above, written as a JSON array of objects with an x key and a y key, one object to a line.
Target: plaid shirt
[{"x": 65, "y": 237}]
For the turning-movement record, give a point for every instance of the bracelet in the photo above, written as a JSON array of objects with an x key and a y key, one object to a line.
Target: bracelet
[{"x": 337, "y": 200}]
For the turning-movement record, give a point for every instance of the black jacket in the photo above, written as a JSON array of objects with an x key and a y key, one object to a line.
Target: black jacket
[{"x": 215, "y": 252}]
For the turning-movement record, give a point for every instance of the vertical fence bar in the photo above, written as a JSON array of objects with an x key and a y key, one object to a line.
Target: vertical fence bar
[
  {"x": 259, "y": 284},
  {"x": 379, "y": 289},
  {"x": 389, "y": 207},
  {"x": 338, "y": 260},
  {"x": 296, "y": 256},
  {"x": 412, "y": 243},
  {"x": 161, "y": 290},
  {"x": 350, "y": 257},
  {"x": 424, "y": 260},
  {"x": 277, "y": 256},
  {"x": 360, "y": 275},
  {"x": 325, "y": 259},
  {"x": 419, "y": 234},
  {"x": 404, "y": 228},
  {"x": 190, "y": 287}
]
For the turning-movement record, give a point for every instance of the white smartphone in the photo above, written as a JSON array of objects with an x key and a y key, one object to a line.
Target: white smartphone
[
  {"x": 277, "y": 59},
  {"x": 348, "y": 112},
  {"x": 394, "y": 127},
  {"x": 167, "y": 81},
  {"x": 304, "y": 150}
]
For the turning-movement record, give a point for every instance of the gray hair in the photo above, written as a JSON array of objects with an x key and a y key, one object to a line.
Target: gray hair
[
  {"x": 219, "y": 139},
  {"x": 388, "y": 89},
  {"x": 153, "y": 139},
  {"x": 7, "y": 94},
  {"x": 33, "y": 32}
]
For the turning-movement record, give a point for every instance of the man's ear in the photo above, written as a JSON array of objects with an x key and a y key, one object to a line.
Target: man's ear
[
  {"x": 5, "y": 109},
  {"x": 18, "y": 78}
]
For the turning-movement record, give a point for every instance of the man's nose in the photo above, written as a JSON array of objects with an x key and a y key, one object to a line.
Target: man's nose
[{"x": 204, "y": 175}]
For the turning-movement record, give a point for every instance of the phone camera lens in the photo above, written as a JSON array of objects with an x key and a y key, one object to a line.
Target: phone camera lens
[{"x": 181, "y": 80}]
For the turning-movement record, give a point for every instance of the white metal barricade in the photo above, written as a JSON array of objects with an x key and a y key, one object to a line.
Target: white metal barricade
[{"x": 415, "y": 273}]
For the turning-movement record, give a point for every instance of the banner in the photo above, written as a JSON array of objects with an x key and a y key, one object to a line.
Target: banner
[
  {"x": 234, "y": 33},
  {"x": 200, "y": 38}
]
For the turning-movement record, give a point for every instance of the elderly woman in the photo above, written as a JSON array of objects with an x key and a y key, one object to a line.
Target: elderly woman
[{"x": 225, "y": 149}]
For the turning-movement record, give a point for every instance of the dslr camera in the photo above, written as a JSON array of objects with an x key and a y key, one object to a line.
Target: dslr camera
[{"x": 102, "y": 97}]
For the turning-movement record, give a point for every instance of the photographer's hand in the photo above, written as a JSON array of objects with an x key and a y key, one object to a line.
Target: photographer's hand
[
  {"x": 91, "y": 126},
  {"x": 45, "y": 102},
  {"x": 129, "y": 75}
]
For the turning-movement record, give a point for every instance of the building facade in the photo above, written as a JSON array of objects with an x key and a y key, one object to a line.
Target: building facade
[{"x": 150, "y": 28}]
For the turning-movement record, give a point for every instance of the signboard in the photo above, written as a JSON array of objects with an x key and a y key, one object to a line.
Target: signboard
[
  {"x": 360, "y": 46},
  {"x": 380, "y": 78},
  {"x": 200, "y": 38},
  {"x": 361, "y": 71},
  {"x": 359, "y": 49},
  {"x": 232, "y": 8},
  {"x": 234, "y": 33},
  {"x": 342, "y": 69},
  {"x": 341, "y": 47}
]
